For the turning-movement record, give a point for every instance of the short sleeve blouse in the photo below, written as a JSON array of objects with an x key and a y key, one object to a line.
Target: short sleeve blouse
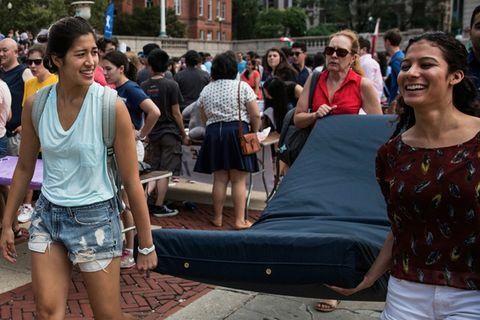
[{"x": 219, "y": 99}]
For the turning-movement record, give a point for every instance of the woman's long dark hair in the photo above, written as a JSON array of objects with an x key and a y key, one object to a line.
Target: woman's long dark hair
[
  {"x": 277, "y": 89},
  {"x": 119, "y": 59},
  {"x": 284, "y": 70},
  {"x": 464, "y": 92}
]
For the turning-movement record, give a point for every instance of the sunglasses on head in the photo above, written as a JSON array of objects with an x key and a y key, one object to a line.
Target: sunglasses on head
[
  {"x": 342, "y": 53},
  {"x": 296, "y": 53},
  {"x": 36, "y": 61}
]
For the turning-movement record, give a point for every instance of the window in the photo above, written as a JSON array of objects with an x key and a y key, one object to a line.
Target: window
[
  {"x": 224, "y": 9},
  {"x": 202, "y": 35},
  {"x": 148, "y": 3},
  {"x": 209, "y": 8},
  {"x": 200, "y": 8},
  {"x": 178, "y": 7},
  {"x": 217, "y": 9},
  {"x": 209, "y": 35},
  {"x": 219, "y": 36}
]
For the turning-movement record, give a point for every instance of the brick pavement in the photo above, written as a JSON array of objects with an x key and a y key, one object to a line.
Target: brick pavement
[{"x": 148, "y": 298}]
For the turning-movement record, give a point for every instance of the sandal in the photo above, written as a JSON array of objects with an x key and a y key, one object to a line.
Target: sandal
[{"x": 327, "y": 305}]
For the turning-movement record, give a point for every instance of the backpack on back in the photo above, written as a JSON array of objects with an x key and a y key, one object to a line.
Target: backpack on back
[
  {"x": 108, "y": 131},
  {"x": 292, "y": 139}
]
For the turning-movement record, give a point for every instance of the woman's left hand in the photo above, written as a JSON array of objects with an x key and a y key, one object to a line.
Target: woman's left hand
[
  {"x": 349, "y": 291},
  {"x": 147, "y": 262}
]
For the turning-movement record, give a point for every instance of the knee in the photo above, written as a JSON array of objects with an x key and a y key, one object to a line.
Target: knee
[{"x": 49, "y": 312}]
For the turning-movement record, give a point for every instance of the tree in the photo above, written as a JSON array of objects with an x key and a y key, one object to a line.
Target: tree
[
  {"x": 245, "y": 13},
  {"x": 31, "y": 15},
  {"x": 146, "y": 22},
  {"x": 274, "y": 23}
]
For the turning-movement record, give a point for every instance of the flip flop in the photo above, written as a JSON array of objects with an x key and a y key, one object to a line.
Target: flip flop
[{"x": 324, "y": 306}]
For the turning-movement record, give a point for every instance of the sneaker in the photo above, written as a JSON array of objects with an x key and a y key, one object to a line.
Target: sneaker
[
  {"x": 162, "y": 211},
  {"x": 127, "y": 261},
  {"x": 26, "y": 212}
]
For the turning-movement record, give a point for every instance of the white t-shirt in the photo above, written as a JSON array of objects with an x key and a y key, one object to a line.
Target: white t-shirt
[
  {"x": 5, "y": 106},
  {"x": 220, "y": 100}
]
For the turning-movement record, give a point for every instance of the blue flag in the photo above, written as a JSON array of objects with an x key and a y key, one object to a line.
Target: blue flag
[{"x": 108, "y": 30}]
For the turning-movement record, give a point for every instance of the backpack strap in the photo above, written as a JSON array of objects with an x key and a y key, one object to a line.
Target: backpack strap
[
  {"x": 313, "y": 85},
  {"x": 39, "y": 105},
  {"x": 108, "y": 132},
  {"x": 287, "y": 122},
  {"x": 109, "y": 117}
]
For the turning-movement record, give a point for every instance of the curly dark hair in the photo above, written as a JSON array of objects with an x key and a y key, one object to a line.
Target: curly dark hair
[{"x": 464, "y": 92}]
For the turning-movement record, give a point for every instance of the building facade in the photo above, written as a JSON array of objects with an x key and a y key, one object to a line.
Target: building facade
[{"x": 205, "y": 19}]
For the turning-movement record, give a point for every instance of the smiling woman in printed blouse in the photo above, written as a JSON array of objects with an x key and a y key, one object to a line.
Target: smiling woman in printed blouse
[{"x": 430, "y": 177}]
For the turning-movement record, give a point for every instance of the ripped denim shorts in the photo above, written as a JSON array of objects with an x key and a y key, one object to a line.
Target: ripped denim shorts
[{"x": 91, "y": 234}]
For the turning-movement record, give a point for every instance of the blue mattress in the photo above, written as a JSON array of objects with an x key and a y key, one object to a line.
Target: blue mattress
[{"x": 325, "y": 225}]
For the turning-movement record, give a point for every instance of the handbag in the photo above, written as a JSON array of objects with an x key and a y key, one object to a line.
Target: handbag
[{"x": 249, "y": 141}]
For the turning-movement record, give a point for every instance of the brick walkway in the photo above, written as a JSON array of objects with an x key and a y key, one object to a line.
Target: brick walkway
[{"x": 148, "y": 298}]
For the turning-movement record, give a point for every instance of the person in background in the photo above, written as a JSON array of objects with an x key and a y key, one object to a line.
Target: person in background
[
  {"x": 192, "y": 80},
  {"x": 135, "y": 60},
  {"x": 428, "y": 175},
  {"x": 5, "y": 115},
  {"x": 173, "y": 66},
  {"x": 220, "y": 153},
  {"x": 473, "y": 59},
  {"x": 341, "y": 89},
  {"x": 278, "y": 65},
  {"x": 299, "y": 54},
  {"x": 392, "y": 39},
  {"x": 76, "y": 216},
  {"x": 241, "y": 63},
  {"x": 41, "y": 78},
  {"x": 106, "y": 46},
  {"x": 318, "y": 62},
  {"x": 252, "y": 77},
  {"x": 144, "y": 74},
  {"x": 281, "y": 96},
  {"x": 118, "y": 70},
  {"x": 207, "y": 57},
  {"x": 370, "y": 66},
  {"x": 164, "y": 150}
]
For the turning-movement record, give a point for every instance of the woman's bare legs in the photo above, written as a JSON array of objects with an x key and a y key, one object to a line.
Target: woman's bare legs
[
  {"x": 51, "y": 273},
  {"x": 103, "y": 288},
  {"x": 219, "y": 192},
  {"x": 239, "y": 191}
]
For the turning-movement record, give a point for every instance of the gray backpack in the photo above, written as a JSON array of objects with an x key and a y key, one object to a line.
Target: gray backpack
[{"x": 108, "y": 128}]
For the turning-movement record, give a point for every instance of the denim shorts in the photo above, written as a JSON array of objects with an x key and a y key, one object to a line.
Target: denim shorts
[{"x": 90, "y": 233}]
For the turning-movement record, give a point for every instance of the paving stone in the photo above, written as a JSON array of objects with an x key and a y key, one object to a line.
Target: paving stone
[{"x": 153, "y": 298}]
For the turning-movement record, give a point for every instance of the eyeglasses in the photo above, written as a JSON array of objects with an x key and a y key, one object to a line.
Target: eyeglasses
[
  {"x": 342, "y": 53},
  {"x": 296, "y": 53},
  {"x": 36, "y": 61}
]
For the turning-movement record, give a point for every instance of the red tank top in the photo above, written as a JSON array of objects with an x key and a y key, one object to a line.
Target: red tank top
[{"x": 347, "y": 98}]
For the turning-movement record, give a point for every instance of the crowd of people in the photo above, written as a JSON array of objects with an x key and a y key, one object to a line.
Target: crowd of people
[{"x": 427, "y": 171}]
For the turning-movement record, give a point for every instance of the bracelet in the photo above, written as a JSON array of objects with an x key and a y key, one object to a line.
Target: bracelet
[{"x": 146, "y": 251}]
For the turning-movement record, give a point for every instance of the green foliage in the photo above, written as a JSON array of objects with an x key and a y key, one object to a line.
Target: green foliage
[
  {"x": 30, "y": 15},
  {"x": 322, "y": 30},
  {"x": 274, "y": 23},
  {"x": 146, "y": 22},
  {"x": 294, "y": 22},
  {"x": 245, "y": 13}
]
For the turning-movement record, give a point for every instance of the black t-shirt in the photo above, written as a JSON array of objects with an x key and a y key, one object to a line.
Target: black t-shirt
[
  {"x": 164, "y": 93},
  {"x": 191, "y": 82}
]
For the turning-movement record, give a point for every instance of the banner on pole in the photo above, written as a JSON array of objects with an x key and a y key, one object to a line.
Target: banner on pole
[{"x": 108, "y": 29}]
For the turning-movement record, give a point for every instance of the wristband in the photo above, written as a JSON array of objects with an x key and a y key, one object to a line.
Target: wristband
[{"x": 146, "y": 251}]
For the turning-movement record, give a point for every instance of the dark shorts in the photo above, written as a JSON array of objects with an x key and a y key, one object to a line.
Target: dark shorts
[{"x": 165, "y": 154}]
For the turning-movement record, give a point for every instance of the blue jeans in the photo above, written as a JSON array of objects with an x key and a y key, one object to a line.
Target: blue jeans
[{"x": 89, "y": 233}]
